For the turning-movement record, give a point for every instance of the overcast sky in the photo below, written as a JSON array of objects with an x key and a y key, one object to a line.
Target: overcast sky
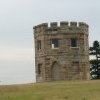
[{"x": 17, "y": 17}]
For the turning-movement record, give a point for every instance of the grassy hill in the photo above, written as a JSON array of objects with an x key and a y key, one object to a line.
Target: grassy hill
[{"x": 60, "y": 90}]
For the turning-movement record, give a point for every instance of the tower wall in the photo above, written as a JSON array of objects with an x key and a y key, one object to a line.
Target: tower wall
[{"x": 67, "y": 60}]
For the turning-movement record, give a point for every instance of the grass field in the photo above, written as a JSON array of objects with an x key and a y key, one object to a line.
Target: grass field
[{"x": 60, "y": 90}]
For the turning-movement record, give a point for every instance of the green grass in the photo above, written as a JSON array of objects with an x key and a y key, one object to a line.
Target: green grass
[{"x": 60, "y": 90}]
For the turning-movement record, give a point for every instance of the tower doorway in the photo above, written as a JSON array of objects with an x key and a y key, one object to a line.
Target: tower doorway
[{"x": 55, "y": 71}]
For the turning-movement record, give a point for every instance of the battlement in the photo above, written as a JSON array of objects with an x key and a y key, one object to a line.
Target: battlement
[{"x": 62, "y": 25}]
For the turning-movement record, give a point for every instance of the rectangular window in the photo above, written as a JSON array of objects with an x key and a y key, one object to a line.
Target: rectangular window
[
  {"x": 73, "y": 42},
  {"x": 39, "y": 44},
  {"x": 54, "y": 43}
]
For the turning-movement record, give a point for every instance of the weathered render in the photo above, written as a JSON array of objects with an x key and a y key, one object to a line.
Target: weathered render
[{"x": 61, "y": 51}]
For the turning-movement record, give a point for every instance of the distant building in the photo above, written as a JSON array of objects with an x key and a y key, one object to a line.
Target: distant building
[{"x": 61, "y": 51}]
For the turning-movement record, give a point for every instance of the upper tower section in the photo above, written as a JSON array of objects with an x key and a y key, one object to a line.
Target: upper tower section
[{"x": 62, "y": 27}]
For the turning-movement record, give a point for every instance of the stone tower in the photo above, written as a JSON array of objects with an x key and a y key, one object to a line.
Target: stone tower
[{"x": 61, "y": 51}]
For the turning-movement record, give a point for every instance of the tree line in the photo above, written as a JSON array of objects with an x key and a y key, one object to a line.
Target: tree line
[{"x": 94, "y": 53}]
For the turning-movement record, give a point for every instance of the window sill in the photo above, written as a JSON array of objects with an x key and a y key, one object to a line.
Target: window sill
[
  {"x": 54, "y": 48},
  {"x": 74, "y": 47}
]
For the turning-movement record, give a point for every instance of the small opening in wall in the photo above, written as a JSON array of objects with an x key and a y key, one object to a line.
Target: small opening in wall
[
  {"x": 39, "y": 68},
  {"x": 73, "y": 42},
  {"x": 54, "y": 43},
  {"x": 39, "y": 44}
]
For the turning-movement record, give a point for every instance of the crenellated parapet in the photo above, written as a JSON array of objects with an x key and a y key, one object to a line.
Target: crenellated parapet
[{"x": 63, "y": 26}]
